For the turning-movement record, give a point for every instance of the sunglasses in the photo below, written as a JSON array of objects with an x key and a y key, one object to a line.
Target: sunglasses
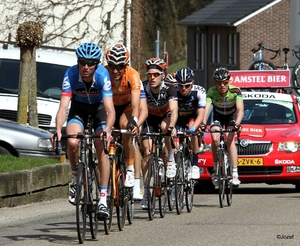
[
  {"x": 222, "y": 82},
  {"x": 117, "y": 67},
  {"x": 185, "y": 86},
  {"x": 154, "y": 74},
  {"x": 89, "y": 63}
]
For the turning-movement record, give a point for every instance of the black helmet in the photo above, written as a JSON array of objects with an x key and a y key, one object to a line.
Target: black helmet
[{"x": 221, "y": 74}]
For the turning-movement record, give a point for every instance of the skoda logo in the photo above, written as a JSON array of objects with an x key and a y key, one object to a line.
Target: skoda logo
[{"x": 245, "y": 142}]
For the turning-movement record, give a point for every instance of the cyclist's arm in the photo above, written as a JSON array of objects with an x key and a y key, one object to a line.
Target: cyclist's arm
[
  {"x": 143, "y": 112},
  {"x": 61, "y": 113},
  {"x": 240, "y": 112},
  {"x": 110, "y": 113},
  {"x": 200, "y": 117},
  {"x": 206, "y": 110},
  {"x": 173, "y": 105}
]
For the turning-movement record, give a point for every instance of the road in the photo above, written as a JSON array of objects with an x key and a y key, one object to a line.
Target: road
[{"x": 268, "y": 215}]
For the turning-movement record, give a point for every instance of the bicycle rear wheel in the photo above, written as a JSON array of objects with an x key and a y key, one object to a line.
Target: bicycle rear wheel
[
  {"x": 81, "y": 202},
  {"x": 262, "y": 65},
  {"x": 161, "y": 192},
  {"x": 151, "y": 186},
  {"x": 92, "y": 207},
  {"x": 179, "y": 182},
  {"x": 110, "y": 201},
  {"x": 130, "y": 208},
  {"x": 221, "y": 179},
  {"x": 122, "y": 200},
  {"x": 189, "y": 185},
  {"x": 296, "y": 78}
]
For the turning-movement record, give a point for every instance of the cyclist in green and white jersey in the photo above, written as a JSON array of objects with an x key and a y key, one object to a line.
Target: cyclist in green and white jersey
[{"x": 228, "y": 109}]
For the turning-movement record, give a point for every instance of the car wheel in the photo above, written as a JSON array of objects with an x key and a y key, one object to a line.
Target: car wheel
[
  {"x": 297, "y": 187},
  {"x": 4, "y": 151}
]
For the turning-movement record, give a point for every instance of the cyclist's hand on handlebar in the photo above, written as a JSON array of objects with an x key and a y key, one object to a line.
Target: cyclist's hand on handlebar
[
  {"x": 132, "y": 125},
  {"x": 238, "y": 127},
  {"x": 172, "y": 131},
  {"x": 203, "y": 127}
]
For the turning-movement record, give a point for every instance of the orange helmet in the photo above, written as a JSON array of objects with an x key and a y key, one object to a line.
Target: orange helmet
[
  {"x": 156, "y": 63},
  {"x": 117, "y": 55}
]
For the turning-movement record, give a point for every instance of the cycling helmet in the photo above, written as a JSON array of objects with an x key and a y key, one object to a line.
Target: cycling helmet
[
  {"x": 117, "y": 55},
  {"x": 185, "y": 74},
  {"x": 89, "y": 51},
  {"x": 170, "y": 77},
  {"x": 221, "y": 74},
  {"x": 156, "y": 63}
]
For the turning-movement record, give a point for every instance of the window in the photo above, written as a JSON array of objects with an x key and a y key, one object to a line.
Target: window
[
  {"x": 215, "y": 48},
  {"x": 232, "y": 49},
  {"x": 199, "y": 51}
]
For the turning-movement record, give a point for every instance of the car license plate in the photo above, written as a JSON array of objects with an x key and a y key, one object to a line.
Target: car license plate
[{"x": 250, "y": 161}]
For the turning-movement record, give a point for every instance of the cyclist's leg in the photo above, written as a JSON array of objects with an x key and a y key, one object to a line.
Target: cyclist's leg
[
  {"x": 215, "y": 143},
  {"x": 129, "y": 152},
  {"x": 103, "y": 164},
  {"x": 232, "y": 152},
  {"x": 74, "y": 126}
]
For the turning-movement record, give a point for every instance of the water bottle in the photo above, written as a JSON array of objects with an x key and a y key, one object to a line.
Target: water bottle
[{"x": 160, "y": 166}]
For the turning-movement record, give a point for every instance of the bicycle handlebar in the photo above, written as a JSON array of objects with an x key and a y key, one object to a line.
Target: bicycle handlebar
[
  {"x": 295, "y": 53},
  {"x": 261, "y": 46},
  {"x": 159, "y": 134}
]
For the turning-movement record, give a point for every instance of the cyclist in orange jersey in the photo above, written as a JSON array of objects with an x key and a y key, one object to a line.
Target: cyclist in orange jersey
[{"x": 127, "y": 96}]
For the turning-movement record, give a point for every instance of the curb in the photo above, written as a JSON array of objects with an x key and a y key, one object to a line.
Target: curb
[{"x": 34, "y": 185}]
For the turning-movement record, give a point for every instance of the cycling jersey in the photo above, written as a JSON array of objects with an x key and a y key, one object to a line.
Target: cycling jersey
[
  {"x": 130, "y": 83},
  {"x": 73, "y": 86},
  {"x": 158, "y": 104},
  {"x": 188, "y": 105},
  {"x": 224, "y": 105}
]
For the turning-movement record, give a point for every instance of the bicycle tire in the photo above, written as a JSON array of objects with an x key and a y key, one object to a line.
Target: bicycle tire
[
  {"x": 121, "y": 207},
  {"x": 296, "y": 78},
  {"x": 262, "y": 65},
  {"x": 162, "y": 196},
  {"x": 81, "y": 203},
  {"x": 179, "y": 182},
  {"x": 221, "y": 179},
  {"x": 130, "y": 210},
  {"x": 170, "y": 193},
  {"x": 151, "y": 186},
  {"x": 228, "y": 184},
  {"x": 189, "y": 185},
  {"x": 110, "y": 201},
  {"x": 94, "y": 199}
]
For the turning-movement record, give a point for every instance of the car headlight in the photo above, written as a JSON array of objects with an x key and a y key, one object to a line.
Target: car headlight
[
  {"x": 44, "y": 143},
  {"x": 289, "y": 146}
]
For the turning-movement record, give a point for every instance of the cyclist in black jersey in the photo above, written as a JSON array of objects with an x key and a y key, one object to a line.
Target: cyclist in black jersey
[
  {"x": 191, "y": 105},
  {"x": 228, "y": 109},
  {"x": 162, "y": 110}
]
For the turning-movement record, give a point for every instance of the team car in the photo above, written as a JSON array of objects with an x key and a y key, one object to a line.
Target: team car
[{"x": 269, "y": 146}]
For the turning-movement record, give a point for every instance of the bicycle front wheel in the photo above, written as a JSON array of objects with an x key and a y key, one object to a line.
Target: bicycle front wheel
[
  {"x": 189, "y": 185},
  {"x": 161, "y": 192},
  {"x": 81, "y": 202},
  {"x": 151, "y": 186},
  {"x": 94, "y": 199},
  {"x": 122, "y": 200},
  {"x": 296, "y": 78},
  {"x": 110, "y": 201},
  {"x": 221, "y": 179},
  {"x": 179, "y": 182}
]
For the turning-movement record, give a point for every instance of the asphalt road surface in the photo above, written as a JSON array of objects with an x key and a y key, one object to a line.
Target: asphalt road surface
[{"x": 259, "y": 215}]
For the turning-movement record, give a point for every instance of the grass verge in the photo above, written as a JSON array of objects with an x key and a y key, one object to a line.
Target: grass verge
[{"x": 12, "y": 164}]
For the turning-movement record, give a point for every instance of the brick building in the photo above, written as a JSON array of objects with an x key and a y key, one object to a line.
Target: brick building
[{"x": 224, "y": 32}]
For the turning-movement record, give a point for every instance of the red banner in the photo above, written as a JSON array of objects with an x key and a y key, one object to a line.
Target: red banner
[{"x": 261, "y": 78}]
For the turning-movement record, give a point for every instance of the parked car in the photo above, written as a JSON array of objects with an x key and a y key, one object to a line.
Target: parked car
[
  {"x": 24, "y": 141},
  {"x": 269, "y": 147}
]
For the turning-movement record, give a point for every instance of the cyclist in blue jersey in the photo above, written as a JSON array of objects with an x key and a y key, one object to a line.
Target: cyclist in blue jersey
[
  {"x": 191, "y": 106},
  {"x": 87, "y": 87}
]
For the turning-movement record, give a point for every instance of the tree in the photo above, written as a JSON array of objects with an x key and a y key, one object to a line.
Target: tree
[{"x": 29, "y": 37}]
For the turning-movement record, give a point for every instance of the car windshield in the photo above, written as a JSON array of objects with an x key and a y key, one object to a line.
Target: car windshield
[
  {"x": 268, "y": 112},
  {"x": 49, "y": 78}
]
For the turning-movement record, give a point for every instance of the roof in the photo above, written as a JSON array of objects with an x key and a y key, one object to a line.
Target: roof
[{"x": 227, "y": 12}]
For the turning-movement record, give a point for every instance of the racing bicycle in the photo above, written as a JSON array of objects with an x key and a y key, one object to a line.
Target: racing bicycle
[
  {"x": 87, "y": 188},
  {"x": 224, "y": 169},
  {"x": 295, "y": 78}
]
